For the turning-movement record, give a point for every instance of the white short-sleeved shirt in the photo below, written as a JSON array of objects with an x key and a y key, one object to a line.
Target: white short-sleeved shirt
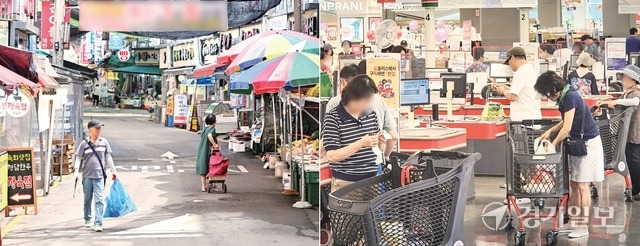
[{"x": 527, "y": 106}]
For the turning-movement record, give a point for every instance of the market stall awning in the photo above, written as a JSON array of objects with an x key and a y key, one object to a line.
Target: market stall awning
[
  {"x": 14, "y": 80},
  {"x": 18, "y": 61},
  {"x": 85, "y": 71},
  {"x": 152, "y": 70},
  {"x": 207, "y": 70},
  {"x": 46, "y": 73}
]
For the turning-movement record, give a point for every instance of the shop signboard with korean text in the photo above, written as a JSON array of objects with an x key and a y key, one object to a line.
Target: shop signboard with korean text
[
  {"x": 386, "y": 74},
  {"x": 4, "y": 32},
  {"x": 18, "y": 103},
  {"x": 146, "y": 57},
  {"x": 209, "y": 50},
  {"x": 21, "y": 180},
  {"x": 116, "y": 41},
  {"x": 3, "y": 102},
  {"x": 181, "y": 109},
  {"x": 164, "y": 58},
  {"x": 4, "y": 169},
  {"x": 183, "y": 55},
  {"x": 48, "y": 19}
]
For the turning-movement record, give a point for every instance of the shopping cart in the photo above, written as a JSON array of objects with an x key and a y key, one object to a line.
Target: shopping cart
[
  {"x": 218, "y": 167},
  {"x": 614, "y": 130},
  {"x": 427, "y": 210},
  {"x": 535, "y": 176}
]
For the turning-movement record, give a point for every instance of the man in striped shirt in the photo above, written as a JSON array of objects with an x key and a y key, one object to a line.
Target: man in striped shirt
[{"x": 350, "y": 132}]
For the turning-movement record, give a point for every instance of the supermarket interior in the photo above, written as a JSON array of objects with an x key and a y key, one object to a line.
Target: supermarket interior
[{"x": 496, "y": 80}]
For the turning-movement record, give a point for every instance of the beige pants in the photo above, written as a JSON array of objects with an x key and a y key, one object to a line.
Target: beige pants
[{"x": 337, "y": 184}]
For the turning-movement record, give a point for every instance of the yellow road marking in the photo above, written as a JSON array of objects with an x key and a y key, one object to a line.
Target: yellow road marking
[{"x": 16, "y": 220}]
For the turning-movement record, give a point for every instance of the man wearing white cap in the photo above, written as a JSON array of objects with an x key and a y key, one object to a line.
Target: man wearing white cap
[
  {"x": 631, "y": 97},
  {"x": 525, "y": 101}
]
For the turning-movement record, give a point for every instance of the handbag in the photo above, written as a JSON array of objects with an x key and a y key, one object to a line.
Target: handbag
[{"x": 576, "y": 147}]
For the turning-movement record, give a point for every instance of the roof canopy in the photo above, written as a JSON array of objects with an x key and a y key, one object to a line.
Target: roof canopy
[{"x": 140, "y": 70}]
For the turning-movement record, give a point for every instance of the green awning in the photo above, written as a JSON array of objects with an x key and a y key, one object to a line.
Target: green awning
[{"x": 152, "y": 70}]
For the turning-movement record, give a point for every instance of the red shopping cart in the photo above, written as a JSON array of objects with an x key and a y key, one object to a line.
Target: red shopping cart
[{"x": 218, "y": 167}]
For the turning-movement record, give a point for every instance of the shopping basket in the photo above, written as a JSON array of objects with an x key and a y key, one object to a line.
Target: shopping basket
[
  {"x": 614, "y": 130},
  {"x": 534, "y": 176},
  {"x": 381, "y": 211}
]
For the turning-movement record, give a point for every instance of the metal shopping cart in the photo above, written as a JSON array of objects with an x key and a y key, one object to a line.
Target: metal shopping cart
[
  {"x": 427, "y": 210},
  {"x": 614, "y": 130},
  {"x": 537, "y": 177}
]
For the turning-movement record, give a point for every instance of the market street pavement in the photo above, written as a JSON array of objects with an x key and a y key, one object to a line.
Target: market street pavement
[{"x": 171, "y": 208}]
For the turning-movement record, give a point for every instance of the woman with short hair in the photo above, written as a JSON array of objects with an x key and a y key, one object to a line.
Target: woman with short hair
[
  {"x": 208, "y": 142},
  {"x": 576, "y": 124},
  {"x": 631, "y": 97}
]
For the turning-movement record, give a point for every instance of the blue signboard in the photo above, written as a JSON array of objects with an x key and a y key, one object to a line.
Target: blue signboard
[{"x": 116, "y": 41}]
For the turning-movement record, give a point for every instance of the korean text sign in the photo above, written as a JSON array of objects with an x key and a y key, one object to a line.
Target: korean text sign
[
  {"x": 181, "y": 109},
  {"x": 21, "y": 177},
  {"x": 386, "y": 74}
]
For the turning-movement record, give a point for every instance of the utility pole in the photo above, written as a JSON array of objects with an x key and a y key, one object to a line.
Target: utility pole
[
  {"x": 59, "y": 29},
  {"x": 297, "y": 15}
]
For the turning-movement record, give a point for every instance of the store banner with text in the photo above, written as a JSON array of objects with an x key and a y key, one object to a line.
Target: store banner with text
[
  {"x": 146, "y": 57},
  {"x": 21, "y": 180},
  {"x": 181, "y": 109},
  {"x": 386, "y": 74},
  {"x": 4, "y": 176},
  {"x": 628, "y": 6},
  {"x": 48, "y": 19},
  {"x": 472, "y": 4}
]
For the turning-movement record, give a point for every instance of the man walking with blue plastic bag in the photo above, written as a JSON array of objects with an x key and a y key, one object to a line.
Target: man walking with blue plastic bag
[{"x": 91, "y": 156}]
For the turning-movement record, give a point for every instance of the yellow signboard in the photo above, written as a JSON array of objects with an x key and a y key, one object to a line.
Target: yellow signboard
[
  {"x": 386, "y": 74},
  {"x": 4, "y": 173},
  {"x": 170, "y": 105},
  {"x": 111, "y": 75}
]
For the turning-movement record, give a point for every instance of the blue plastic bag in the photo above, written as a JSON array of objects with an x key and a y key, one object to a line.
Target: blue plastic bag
[{"x": 118, "y": 202}]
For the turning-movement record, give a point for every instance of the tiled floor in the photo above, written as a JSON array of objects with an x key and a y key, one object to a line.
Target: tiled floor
[{"x": 611, "y": 221}]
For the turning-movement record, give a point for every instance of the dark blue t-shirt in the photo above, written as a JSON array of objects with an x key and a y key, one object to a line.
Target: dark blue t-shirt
[{"x": 573, "y": 100}]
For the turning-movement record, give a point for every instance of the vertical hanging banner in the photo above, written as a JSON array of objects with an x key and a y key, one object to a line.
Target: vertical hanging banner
[
  {"x": 21, "y": 179},
  {"x": 466, "y": 30},
  {"x": 48, "y": 19},
  {"x": 386, "y": 74}
]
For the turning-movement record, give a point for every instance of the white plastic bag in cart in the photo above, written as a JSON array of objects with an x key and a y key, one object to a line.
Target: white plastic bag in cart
[
  {"x": 543, "y": 147},
  {"x": 543, "y": 178}
]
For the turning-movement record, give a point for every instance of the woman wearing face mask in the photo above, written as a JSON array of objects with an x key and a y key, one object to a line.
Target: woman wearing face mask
[
  {"x": 326, "y": 62},
  {"x": 631, "y": 97}
]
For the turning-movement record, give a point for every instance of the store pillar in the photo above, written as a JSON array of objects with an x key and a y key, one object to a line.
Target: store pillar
[
  {"x": 549, "y": 13},
  {"x": 614, "y": 24},
  {"x": 499, "y": 27},
  {"x": 430, "y": 32},
  {"x": 523, "y": 20}
]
